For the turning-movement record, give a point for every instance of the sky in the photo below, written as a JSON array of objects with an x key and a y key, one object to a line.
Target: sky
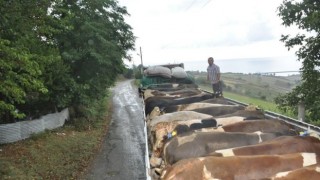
[{"x": 179, "y": 31}]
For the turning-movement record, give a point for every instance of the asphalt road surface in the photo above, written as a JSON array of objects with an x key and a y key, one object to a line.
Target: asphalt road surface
[{"x": 123, "y": 151}]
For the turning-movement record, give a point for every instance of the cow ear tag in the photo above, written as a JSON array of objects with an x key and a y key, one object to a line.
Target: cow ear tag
[
  {"x": 170, "y": 135},
  {"x": 174, "y": 133},
  {"x": 305, "y": 133}
]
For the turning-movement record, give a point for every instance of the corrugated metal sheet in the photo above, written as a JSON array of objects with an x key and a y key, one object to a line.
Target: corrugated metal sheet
[{"x": 21, "y": 130}]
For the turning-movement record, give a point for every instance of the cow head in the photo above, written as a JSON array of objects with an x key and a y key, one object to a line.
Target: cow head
[{"x": 155, "y": 112}]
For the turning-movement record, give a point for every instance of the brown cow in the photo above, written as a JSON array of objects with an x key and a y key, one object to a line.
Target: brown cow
[
  {"x": 185, "y": 115},
  {"x": 248, "y": 113},
  {"x": 178, "y": 93},
  {"x": 159, "y": 131},
  {"x": 227, "y": 111},
  {"x": 163, "y": 102},
  {"x": 162, "y": 129},
  {"x": 196, "y": 144},
  {"x": 238, "y": 167},
  {"x": 310, "y": 173},
  {"x": 213, "y": 111},
  {"x": 279, "y": 145},
  {"x": 229, "y": 124},
  {"x": 217, "y": 101},
  {"x": 263, "y": 125},
  {"x": 206, "y": 108},
  {"x": 192, "y": 106}
]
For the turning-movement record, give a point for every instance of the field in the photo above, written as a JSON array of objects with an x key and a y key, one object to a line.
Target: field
[{"x": 256, "y": 89}]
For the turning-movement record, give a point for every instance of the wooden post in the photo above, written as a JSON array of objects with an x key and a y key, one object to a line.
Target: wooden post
[{"x": 301, "y": 111}]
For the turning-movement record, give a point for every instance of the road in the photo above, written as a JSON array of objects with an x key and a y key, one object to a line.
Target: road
[{"x": 123, "y": 150}]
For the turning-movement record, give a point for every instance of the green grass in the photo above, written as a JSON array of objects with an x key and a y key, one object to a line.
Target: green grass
[
  {"x": 265, "y": 105},
  {"x": 64, "y": 153}
]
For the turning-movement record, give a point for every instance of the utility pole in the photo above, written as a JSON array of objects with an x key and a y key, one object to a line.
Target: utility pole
[
  {"x": 141, "y": 61},
  {"x": 301, "y": 111}
]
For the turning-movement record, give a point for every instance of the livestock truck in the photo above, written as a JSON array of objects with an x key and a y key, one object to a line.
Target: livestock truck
[{"x": 192, "y": 135}]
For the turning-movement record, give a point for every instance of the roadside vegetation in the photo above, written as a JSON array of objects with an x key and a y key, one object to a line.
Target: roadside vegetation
[
  {"x": 63, "y": 153},
  {"x": 59, "y": 54},
  {"x": 304, "y": 15}
]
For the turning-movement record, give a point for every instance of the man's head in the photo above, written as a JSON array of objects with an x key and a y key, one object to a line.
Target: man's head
[{"x": 210, "y": 61}]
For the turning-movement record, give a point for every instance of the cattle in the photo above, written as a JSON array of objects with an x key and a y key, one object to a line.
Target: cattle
[
  {"x": 195, "y": 136},
  {"x": 238, "y": 167},
  {"x": 174, "y": 108},
  {"x": 163, "y": 128},
  {"x": 186, "y": 115},
  {"x": 239, "y": 115},
  {"x": 153, "y": 114},
  {"x": 247, "y": 112},
  {"x": 178, "y": 93},
  {"x": 263, "y": 125},
  {"x": 216, "y": 101},
  {"x": 213, "y": 111},
  {"x": 181, "y": 115},
  {"x": 160, "y": 131},
  {"x": 194, "y": 106},
  {"x": 279, "y": 145},
  {"x": 310, "y": 173},
  {"x": 197, "y": 144},
  {"x": 218, "y": 112},
  {"x": 227, "y": 124},
  {"x": 166, "y": 129},
  {"x": 163, "y": 102},
  {"x": 240, "y": 124}
]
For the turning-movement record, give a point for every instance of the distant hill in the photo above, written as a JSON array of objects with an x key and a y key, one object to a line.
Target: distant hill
[{"x": 265, "y": 87}]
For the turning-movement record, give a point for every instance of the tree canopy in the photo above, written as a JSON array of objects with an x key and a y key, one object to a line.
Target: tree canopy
[
  {"x": 306, "y": 16},
  {"x": 59, "y": 53}
]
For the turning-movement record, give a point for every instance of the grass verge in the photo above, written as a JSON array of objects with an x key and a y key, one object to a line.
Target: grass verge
[
  {"x": 265, "y": 105},
  {"x": 63, "y": 153}
]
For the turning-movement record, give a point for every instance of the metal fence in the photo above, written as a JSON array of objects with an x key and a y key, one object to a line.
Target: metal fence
[{"x": 21, "y": 130}]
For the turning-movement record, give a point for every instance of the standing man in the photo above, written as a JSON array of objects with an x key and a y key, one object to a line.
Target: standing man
[{"x": 213, "y": 76}]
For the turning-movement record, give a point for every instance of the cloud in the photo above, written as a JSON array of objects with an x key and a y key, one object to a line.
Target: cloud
[{"x": 168, "y": 30}]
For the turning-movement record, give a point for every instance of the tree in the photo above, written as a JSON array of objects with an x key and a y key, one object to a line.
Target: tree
[
  {"x": 128, "y": 73},
  {"x": 305, "y": 15},
  {"x": 93, "y": 46},
  {"x": 58, "y": 53},
  {"x": 21, "y": 28}
]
